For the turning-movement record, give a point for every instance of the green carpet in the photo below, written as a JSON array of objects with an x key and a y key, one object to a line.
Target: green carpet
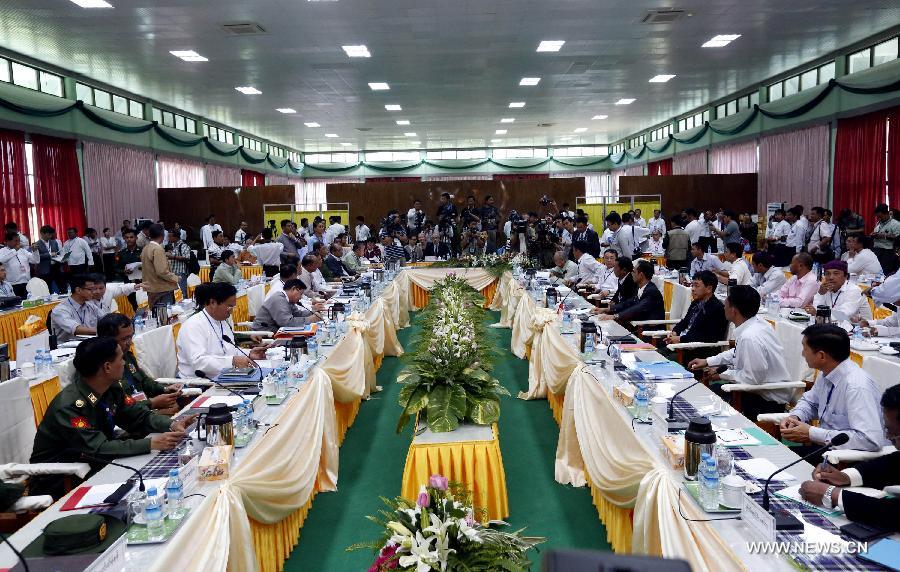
[{"x": 373, "y": 455}]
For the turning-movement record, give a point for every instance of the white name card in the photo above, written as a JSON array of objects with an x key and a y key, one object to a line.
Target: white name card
[
  {"x": 758, "y": 520},
  {"x": 112, "y": 559}
]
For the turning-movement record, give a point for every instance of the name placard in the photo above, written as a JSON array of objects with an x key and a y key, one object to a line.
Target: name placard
[{"x": 758, "y": 520}]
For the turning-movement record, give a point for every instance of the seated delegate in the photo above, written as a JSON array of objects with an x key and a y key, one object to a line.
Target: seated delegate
[
  {"x": 705, "y": 318},
  {"x": 206, "y": 340},
  {"x": 228, "y": 271},
  {"x": 83, "y": 417},
  {"x": 843, "y": 298},
  {"x": 798, "y": 292},
  {"x": 145, "y": 390},
  {"x": 283, "y": 310},
  {"x": 78, "y": 314},
  {"x": 827, "y": 487},
  {"x": 646, "y": 305}
]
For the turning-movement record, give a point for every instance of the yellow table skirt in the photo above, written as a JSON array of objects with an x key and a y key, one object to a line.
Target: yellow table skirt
[
  {"x": 241, "y": 312},
  {"x": 345, "y": 414},
  {"x": 248, "y": 272},
  {"x": 619, "y": 522},
  {"x": 41, "y": 395},
  {"x": 9, "y": 324},
  {"x": 478, "y": 464},
  {"x": 123, "y": 306},
  {"x": 668, "y": 294},
  {"x": 273, "y": 543},
  {"x": 556, "y": 405},
  {"x": 421, "y": 296}
]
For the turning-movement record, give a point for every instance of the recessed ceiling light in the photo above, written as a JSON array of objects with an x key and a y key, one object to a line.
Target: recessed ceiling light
[
  {"x": 550, "y": 45},
  {"x": 500, "y": 132},
  {"x": 517, "y": 104},
  {"x": 600, "y": 117},
  {"x": 530, "y": 81},
  {"x": 357, "y": 51},
  {"x": 286, "y": 110},
  {"x": 393, "y": 107},
  {"x": 580, "y": 129},
  {"x": 661, "y": 78},
  {"x": 721, "y": 41},
  {"x": 410, "y": 134},
  {"x": 508, "y": 120},
  {"x": 248, "y": 90},
  {"x": 403, "y": 122},
  {"x": 189, "y": 56},
  {"x": 331, "y": 135},
  {"x": 379, "y": 86},
  {"x": 312, "y": 124},
  {"x": 92, "y": 3},
  {"x": 625, "y": 101}
]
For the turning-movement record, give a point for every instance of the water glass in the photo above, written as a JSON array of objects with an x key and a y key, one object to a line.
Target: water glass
[{"x": 724, "y": 461}]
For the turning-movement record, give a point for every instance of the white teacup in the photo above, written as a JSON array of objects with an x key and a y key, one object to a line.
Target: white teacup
[
  {"x": 27, "y": 369},
  {"x": 733, "y": 491}
]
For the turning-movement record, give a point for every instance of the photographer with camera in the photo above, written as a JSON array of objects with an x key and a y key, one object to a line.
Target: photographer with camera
[
  {"x": 415, "y": 218},
  {"x": 447, "y": 218},
  {"x": 391, "y": 226},
  {"x": 541, "y": 238},
  {"x": 473, "y": 241},
  {"x": 490, "y": 220}
]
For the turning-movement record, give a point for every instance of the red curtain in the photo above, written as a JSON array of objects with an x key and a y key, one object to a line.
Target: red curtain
[
  {"x": 57, "y": 184},
  {"x": 893, "y": 149},
  {"x": 661, "y": 168},
  {"x": 14, "y": 201},
  {"x": 252, "y": 178},
  {"x": 859, "y": 164},
  {"x": 393, "y": 179},
  {"x": 522, "y": 177}
]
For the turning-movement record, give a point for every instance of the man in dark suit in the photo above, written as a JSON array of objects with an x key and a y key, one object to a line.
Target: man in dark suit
[
  {"x": 586, "y": 235},
  {"x": 705, "y": 318},
  {"x": 647, "y": 305},
  {"x": 627, "y": 287},
  {"x": 49, "y": 270},
  {"x": 826, "y": 488},
  {"x": 334, "y": 263}
]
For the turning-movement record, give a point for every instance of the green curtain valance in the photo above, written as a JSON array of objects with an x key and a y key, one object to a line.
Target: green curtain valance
[
  {"x": 733, "y": 124},
  {"x": 659, "y": 146},
  {"x": 456, "y": 163},
  {"x": 881, "y": 79},
  {"x": 691, "y": 135},
  {"x": 797, "y": 104},
  {"x": 219, "y": 149},
  {"x": 580, "y": 161}
]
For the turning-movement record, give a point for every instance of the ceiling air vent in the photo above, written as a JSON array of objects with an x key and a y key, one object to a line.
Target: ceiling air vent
[
  {"x": 243, "y": 29},
  {"x": 363, "y": 129},
  {"x": 546, "y": 124},
  {"x": 663, "y": 16}
]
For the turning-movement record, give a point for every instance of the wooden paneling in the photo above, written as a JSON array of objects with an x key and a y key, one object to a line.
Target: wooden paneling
[
  {"x": 191, "y": 206},
  {"x": 374, "y": 200},
  {"x": 736, "y": 192}
]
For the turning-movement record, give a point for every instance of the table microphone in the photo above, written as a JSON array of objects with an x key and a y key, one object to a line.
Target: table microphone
[
  {"x": 789, "y": 521},
  {"x": 199, "y": 373},
  {"x": 674, "y": 424},
  {"x": 227, "y": 338},
  {"x": 107, "y": 462},
  {"x": 313, "y": 312}
]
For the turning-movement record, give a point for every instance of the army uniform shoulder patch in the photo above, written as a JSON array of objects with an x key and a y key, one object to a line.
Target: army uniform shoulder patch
[{"x": 80, "y": 423}]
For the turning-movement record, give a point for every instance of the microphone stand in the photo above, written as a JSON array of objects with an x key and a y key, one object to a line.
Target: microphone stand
[
  {"x": 674, "y": 424},
  {"x": 107, "y": 462},
  {"x": 789, "y": 521},
  {"x": 199, "y": 373},
  {"x": 253, "y": 361}
]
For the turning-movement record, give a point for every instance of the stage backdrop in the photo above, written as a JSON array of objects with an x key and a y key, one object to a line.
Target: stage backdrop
[
  {"x": 374, "y": 200},
  {"x": 736, "y": 192},
  {"x": 191, "y": 206}
]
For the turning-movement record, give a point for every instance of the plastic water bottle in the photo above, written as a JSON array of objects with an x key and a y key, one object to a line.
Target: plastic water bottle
[
  {"x": 138, "y": 325},
  {"x": 48, "y": 362},
  {"x": 641, "y": 401},
  {"x": 312, "y": 348},
  {"x": 566, "y": 322},
  {"x": 247, "y": 426},
  {"x": 589, "y": 347},
  {"x": 175, "y": 495},
  {"x": 709, "y": 483},
  {"x": 153, "y": 516}
]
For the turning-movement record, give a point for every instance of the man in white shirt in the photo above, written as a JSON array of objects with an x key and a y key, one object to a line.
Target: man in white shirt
[
  {"x": 336, "y": 228},
  {"x": 703, "y": 261},
  {"x": 631, "y": 237},
  {"x": 757, "y": 358},
  {"x": 844, "y": 298},
  {"x": 607, "y": 282},
  {"x": 638, "y": 219},
  {"x": 657, "y": 223},
  {"x": 739, "y": 268},
  {"x": 206, "y": 340},
  {"x": 655, "y": 245},
  {"x": 886, "y": 327},
  {"x": 362, "y": 232},
  {"x": 859, "y": 258},
  {"x": 692, "y": 228},
  {"x": 819, "y": 244},
  {"x": 767, "y": 278},
  {"x": 17, "y": 258},
  {"x": 206, "y": 231},
  {"x": 309, "y": 273},
  {"x": 796, "y": 238},
  {"x": 267, "y": 253},
  {"x": 216, "y": 248},
  {"x": 707, "y": 240},
  {"x": 777, "y": 230},
  {"x": 77, "y": 253},
  {"x": 415, "y": 218},
  {"x": 104, "y": 293},
  {"x": 589, "y": 270},
  {"x": 240, "y": 237},
  {"x": 563, "y": 269},
  {"x": 78, "y": 314}
]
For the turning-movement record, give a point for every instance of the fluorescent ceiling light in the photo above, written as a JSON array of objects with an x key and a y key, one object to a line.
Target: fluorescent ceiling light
[
  {"x": 517, "y": 104},
  {"x": 530, "y": 81},
  {"x": 189, "y": 56},
  {"x": 92, "y": 3},
  {"x": 332, "y": 135},
  {"x": 286, "y": 110},
  {"x": 600, "y": 117},
  {"x": 345, "y": 144},
  {"x": 393, "y": 107},
  {"x": 580, "y": 129},
  {"x": 312, "y": 124},
  {"x": 661, "y": 78},
  {"x": 508, "y": 120},
  {"x": 248, "y": 90},
  {"x": 416, "y": 143},
  {"x": 721, "y": 40},
  {"x": 550, "y": 45},
  {"x": 496, "y": 140},
  {"x": 379, "y": 86},
  {"x": 403, "y": 122},
  {"x": 357, "y": 51},
  {"x": 410, "y": 134},
  {"x": 625, "y": 101},
  {"x": 500, "y": 132}
]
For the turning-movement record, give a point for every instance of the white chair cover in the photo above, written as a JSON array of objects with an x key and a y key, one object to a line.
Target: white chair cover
[
  {"x": 255, "y": 297},
  {"x": 66, "y": 371},
  {"x": 194, "y": 280},
  {"x": 142, "y": 298},
  {"x": 681, "y": 299},
  {"x": 883, "y": 371},
  {"x": 38, "y": 287},
  {"x": 155, "y": 352},
  {"x": 17, "y": 428}
]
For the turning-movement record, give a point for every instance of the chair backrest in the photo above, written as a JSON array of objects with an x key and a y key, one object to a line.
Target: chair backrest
[
  {"x": 42, "y": 393},
  {"x": 194, "y": 280},
  {"x": 37, "y": 287},
  {"x": 256, "y": 295},
  {"x": 113, "y": 306},
  {"x": 142, "y": 298},
  {"x": 17, "y": 428},
  {"x": 155, "y": 352},
  {"x": 882, "y": 371}
]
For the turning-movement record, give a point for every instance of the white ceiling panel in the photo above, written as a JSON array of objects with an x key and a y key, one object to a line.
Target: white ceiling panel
[{"x": 453, "y": 66}]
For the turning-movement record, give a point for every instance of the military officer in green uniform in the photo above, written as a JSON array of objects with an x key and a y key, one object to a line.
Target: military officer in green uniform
[
  {"x": 162, "y": 399},
  {"x": 83, "y": 416}
]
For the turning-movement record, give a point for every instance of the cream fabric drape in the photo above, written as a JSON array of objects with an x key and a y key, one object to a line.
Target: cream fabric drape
[
  {"x": 552, "y": 359},
  {"x": 521, "y": 325}
]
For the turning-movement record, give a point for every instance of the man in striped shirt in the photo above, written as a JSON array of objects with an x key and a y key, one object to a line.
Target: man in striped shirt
[{"x": 393, "y": 251}]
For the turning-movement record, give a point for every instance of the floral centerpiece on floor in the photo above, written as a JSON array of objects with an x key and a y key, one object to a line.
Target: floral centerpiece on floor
[
  {"x": 495, "y": 264},
  {"x": 440, "y": 532},
  {"x": 448, "y": 378}
]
